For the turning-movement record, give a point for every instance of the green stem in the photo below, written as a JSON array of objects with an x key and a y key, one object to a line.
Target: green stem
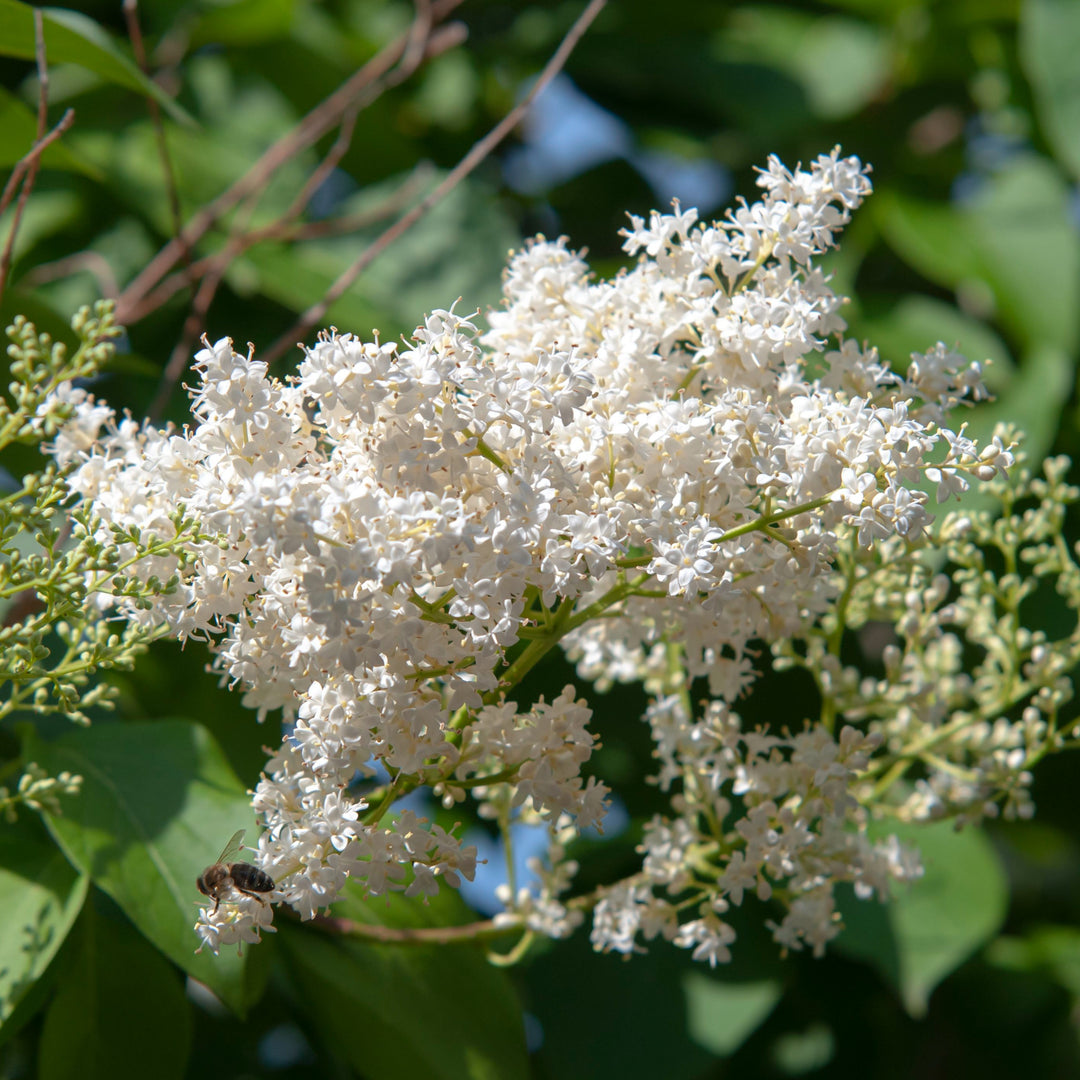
[
  {"x": 561, "y": 625},
  {"x": 515, "y": 954},
  {"x": 485, "y": 451},
  {"x": 763, "y": 523}
]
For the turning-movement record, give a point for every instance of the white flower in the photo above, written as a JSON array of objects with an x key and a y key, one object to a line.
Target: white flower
[{"x": 396, "y": 524}]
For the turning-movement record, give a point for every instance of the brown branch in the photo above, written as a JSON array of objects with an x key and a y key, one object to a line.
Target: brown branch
[
  {"x": 92, "y": 262},
  {"x": 217, "y": 266},
  {"x": 131, "y": 15},
  {"x": 414, "y": 54},
  {"x": 29, "y": 164},
  {"x": 289, "y": 231},
  {"x": 419, "y": 33},
  {"x": 32, "y": 155},
  {"x": 417, "y": 935},
  {"x": 359, "y": 90},
  {"x": 195, "y": 321},
  {"x": 325, "y": 168},
  {"x": 314, "y": 314}
]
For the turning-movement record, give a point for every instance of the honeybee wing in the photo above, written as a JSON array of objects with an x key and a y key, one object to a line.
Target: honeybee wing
[{"x": 233, "y": 847}]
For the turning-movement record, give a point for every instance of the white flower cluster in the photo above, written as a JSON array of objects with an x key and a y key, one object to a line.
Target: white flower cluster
[
  {"x": 672, "y": 456},
  {"x": 794, "y": 835}
]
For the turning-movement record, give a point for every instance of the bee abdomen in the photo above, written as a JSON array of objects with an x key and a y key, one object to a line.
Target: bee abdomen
[{"x": 251, "y": 878}]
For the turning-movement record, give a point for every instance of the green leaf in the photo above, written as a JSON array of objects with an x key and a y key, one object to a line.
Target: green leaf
[
  {"x": 840, "y": 63},
  {"x": 1031, "y": 394},
  {"x": 366, "y": 1000},
  {"x": 206, "y": 160},
  {"x": 47, "y": 214},
  {"x": 931, "y": 928},
  {"x": 1049, "y": 45},
  {"x": 1012, "y": 241},
  {"x": 71, "y": 37},
  {"x": 1031, "y": 252},
  {"x": 118, "y": 998},
  {"x": 40, "y": 896},
  {"x": 935, "y": 238},
  {"x": 721, "y": 1016},
  {"x": 243, "y": 22},
  {"x": 1045, "y": 948},
  {"x": 157, "y": 805},
  {"x": 18, "y": 131}
]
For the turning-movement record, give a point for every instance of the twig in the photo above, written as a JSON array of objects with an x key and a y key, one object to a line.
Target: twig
[
  {"x": 200, "y": 305},
  {"x": 195, "y": 321},
  {"x": 325, "y": 168},
  {"x": 93, "y": 262},
  {"x": 309, "y": 130},
  {"x": 30, "y": 162},
  {"x": 419, "y": 33},
  {"x": 131, "y": 15},
  {"x": 32, "y": 155},
  {"x": 292, "y": 231},
  {"x": 314, "y": 314},
  {"x": 414, "y": 54},
  {"x": 418, "y": 935},
  {"x": 219, "y": 264}
]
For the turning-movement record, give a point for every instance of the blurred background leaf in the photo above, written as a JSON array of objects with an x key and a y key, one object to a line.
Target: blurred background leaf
[{"x": 158, "y": 804}]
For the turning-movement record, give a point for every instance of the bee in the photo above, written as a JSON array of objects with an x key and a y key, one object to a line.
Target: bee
[{"x": 223, "y": 876}]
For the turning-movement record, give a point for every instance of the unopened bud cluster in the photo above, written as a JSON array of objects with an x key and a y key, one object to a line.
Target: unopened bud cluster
[
  {"x": 61, "y": 567},
  {"x": 39, "y": 791}
]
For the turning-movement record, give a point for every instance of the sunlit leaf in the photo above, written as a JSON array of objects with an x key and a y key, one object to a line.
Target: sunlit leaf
[
  {"x": 712, "y": 1015},
  {"x": 45, "y": 215},
  {"x": 158, "y": 803},
  {"x": 457, "y": 250},
  {"x": 1013, "y": 238},
  {"x": 1033, "y": 399},
  {"x": 1049, "y": 46},
  {"x": 245, "y": 22},
  {"x": 75, "y": 38},
  {"x": 1045, "y": 948},
  {"x": 915, "y": 323},
  {"x": 40, "y": 896},
  {"x": 840, "y": 63},
  {"x": 721, "y": 1015}
]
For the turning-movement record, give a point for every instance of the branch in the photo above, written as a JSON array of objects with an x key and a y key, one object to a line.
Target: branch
[
  {"x": 373, "y": 77},
  {"x": 93, "y": 262},
  {"x": 287, "y": 231},
  {"x": 28, "y": 165},
  {"x": 419, "y": 935},
  {"x": 131, "y": 14},
  {"x": 314, "y": 314}
]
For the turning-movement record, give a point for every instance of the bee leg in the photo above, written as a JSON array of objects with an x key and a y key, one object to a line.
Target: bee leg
[{"x": 248, "y": 892}]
